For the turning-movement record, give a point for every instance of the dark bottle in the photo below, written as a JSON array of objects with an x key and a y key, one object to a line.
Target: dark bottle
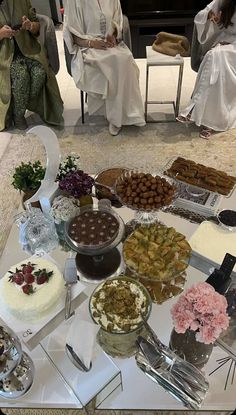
[{"x": 220, "y": 278}]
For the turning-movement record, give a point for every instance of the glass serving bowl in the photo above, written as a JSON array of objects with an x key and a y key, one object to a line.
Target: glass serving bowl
[
  {"x": 227, "y": 219},
  {"x": 195, "y": 191},
  {"x": 156, "y": 253},
  {"x": 119, "y": 305},
  {"x": 104, "y": 182},
  {"x": 88, "y": 218},
  {"x": 146, "y": 193}
]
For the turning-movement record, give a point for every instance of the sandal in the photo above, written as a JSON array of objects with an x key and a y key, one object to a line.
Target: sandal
[
  {"x": 206, "y": 133},
  {"x": 183, "y": 119}
]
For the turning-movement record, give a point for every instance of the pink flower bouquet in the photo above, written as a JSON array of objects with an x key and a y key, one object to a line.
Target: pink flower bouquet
[{"x": 201, "y": 309}]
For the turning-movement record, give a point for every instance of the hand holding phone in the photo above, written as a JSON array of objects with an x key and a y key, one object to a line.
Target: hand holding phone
[{"x": 17, "y": 26}]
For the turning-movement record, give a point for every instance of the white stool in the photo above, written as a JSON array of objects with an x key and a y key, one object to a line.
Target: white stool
[{"x": 159, "y": 59}]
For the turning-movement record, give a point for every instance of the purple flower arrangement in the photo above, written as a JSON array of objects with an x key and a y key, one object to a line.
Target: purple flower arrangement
[{"x": 77, "y": 184}]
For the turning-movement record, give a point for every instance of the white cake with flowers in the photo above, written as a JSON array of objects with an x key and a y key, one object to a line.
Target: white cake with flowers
[{"x": 32, "y": 288}]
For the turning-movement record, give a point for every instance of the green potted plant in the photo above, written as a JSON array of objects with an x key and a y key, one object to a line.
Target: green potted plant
[{"x": 27, "y": 178}]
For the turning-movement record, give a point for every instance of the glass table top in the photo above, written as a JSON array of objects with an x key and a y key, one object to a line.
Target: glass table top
[{"x": 72, "y": 388}]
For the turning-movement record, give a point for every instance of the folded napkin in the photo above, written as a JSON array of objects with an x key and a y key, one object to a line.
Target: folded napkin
[{"x": 81, "y": 337}]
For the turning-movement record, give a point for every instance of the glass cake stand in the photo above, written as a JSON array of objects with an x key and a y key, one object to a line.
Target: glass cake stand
[
  {"x": 165, "y": 275},
  {"x": 96, "y": 262},
  {"x": 16, "y": 367},
  {"x": 147, "y": 214}
]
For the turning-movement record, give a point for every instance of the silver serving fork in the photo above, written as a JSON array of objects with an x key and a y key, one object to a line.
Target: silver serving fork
[
  {"x": 163, "y": 364},
  {"x": 187, "y": 371},
  {"x": 166, "y": 380}
]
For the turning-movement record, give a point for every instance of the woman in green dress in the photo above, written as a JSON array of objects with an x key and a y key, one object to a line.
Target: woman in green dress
[{"x": 26, "y": 79}]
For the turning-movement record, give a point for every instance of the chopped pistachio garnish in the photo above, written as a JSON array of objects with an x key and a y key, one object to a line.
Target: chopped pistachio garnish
[{"x": 118, "y": 305}]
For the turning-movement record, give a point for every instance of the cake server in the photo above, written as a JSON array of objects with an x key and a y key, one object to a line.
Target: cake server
[{"x": 70, "y": 277}]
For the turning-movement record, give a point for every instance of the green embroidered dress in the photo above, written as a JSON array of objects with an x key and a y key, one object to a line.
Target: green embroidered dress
[{"x": 48, "y": 103}]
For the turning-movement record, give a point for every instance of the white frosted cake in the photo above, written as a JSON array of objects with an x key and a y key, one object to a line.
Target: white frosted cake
[{"x": 31, "y": 288}]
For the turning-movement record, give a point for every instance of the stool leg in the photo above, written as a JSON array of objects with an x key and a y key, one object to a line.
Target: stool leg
[
  {"x": 82, "y": 105},
  {"x": 146, "y": 94},
  {"x": 181, "y": 69}
]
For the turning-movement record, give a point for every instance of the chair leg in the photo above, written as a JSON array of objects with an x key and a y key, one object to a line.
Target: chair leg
[
  {"x": 177, "y": 102},
  {"x": 82, "y": 105},
  {"x": 146, "y": 93}
]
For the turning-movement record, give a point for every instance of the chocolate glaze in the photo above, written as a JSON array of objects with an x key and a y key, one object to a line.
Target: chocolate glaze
[{"x": 93, "y": 228}]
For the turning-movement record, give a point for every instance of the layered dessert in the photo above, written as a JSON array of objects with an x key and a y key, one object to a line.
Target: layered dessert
[
  {"x": 118, "y": 305},
  {"x": 92, "y": 228},
  {"x": 30, "y": 289}
]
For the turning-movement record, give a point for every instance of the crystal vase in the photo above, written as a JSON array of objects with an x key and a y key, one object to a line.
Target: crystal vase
[
  {"x": 60, "y": 228},
  {"x": 186, "y": 346}
]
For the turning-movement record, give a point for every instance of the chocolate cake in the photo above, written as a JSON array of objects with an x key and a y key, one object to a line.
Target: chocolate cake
[{"x": 93, "y": 228}]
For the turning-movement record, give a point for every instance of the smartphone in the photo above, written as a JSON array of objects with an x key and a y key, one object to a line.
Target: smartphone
[{"x": 17, "y": 26}]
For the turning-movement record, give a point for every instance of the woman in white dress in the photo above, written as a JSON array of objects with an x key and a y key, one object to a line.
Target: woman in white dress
[
  {"x": 213, "y": 102},
  {"x": 102, "y": 65}
]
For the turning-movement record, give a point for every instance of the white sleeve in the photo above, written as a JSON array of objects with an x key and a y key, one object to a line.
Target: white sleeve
[
  {"x": 74, "y": 19},
  {"x": 72, "y": 24},
  {"x": 117, "y": 20},
  {"x": 205, "y": 28}
]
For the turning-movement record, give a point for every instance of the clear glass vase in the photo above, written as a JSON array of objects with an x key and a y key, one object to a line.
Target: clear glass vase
[
  {"x": 186, "y": 346},
  {"x": 37, "y": 232},
  {"x": 60, "y": 228}
]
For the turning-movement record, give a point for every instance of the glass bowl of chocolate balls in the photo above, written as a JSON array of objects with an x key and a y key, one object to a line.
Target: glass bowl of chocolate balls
[{"x": 146, "y": 193}]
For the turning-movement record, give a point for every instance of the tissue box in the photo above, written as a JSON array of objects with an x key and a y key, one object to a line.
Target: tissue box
[{"x": 93, "y": 387}]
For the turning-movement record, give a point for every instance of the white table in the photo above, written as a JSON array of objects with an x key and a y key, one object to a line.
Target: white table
[{"x": 139, "y": 392}]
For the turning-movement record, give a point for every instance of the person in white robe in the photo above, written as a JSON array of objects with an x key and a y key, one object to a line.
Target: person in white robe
[
  {"x": 213, "y": 102},
  {"x": 102, "y": 65}
]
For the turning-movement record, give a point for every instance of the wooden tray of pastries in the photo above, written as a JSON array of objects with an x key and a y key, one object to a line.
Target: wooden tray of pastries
[{"x": 198, "y": 175}]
